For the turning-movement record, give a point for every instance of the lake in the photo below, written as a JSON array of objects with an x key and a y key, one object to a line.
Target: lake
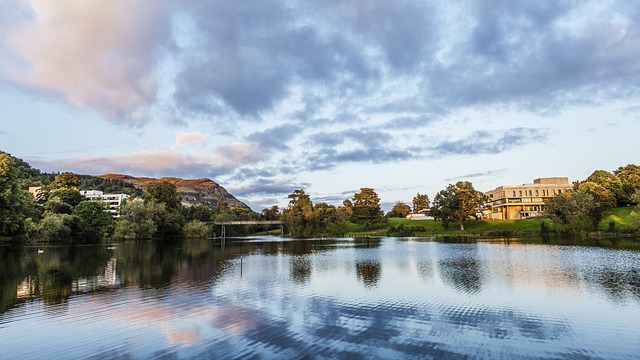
[{"x": 269, "y": 297}]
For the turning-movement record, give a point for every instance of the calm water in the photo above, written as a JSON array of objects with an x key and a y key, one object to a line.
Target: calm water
[{"x": 276, "y": 298}]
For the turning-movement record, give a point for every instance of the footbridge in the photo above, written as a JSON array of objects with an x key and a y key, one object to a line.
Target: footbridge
[{"x": 224, "y": 224}]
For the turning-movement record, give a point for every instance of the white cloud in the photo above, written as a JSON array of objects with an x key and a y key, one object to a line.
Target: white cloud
[
  {"x": 191, "y": 138},
  {"x": 92, "y": 53}
]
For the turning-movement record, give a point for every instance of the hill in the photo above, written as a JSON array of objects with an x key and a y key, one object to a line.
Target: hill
[{"x": 193, "y": 191}]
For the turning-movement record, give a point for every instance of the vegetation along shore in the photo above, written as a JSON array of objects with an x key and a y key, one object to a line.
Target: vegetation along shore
[{"x": 602, "y": 206}]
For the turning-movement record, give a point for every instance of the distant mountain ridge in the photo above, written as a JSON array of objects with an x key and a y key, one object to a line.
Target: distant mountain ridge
[{"x": 192, "y": 191}]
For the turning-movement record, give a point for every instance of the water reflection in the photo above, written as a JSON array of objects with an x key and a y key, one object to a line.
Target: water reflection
[
  {"x": 272, "y": 298},
  {"x": 368, "y": 272},
  {"x": 462, "y": 273},
  {"x": 300, "y": 269}
]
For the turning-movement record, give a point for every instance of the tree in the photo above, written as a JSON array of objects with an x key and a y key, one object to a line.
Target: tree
[
  {"x": 163, "y": 192},
  {"x": 629, "y": 176},
  {"x": 366, "y": 208},
  {"x": 442, "y": 207},
  {"x": 570, "y": 211},
  {"x": 327, "y": 220},
  {"x": 456, "y": 203},
  {"x": 136, "y": 221},
  {"x": 608, "y": 181},
  {"x": 420, "y": 202},
  {"x": 602, "y": 199},
  {"x": 400, "y": 209},
  {"x": 58, "y": 228},
  {"x": 94, "y": 218},
  {"x": 299, "y": 214},
  {"x": 70, "y": 196},
  {"x": 272, "y": 213},
  {"x": 164, "y": 204},
  {"x": 66, "y": 180},
  {"x": 14, "y": 202}
]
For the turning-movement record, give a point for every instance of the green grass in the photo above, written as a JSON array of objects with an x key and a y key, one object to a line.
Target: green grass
[
  {"x": 619, "y": 215},
  {"x": 474, "y": 226}
]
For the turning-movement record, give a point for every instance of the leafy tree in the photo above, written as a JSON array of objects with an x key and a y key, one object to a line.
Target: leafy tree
[
  {"x": 55, "y": 205},
  {"x": 347, "y": 208},
  {"x": 608, "y": 181},
  {"x": 59, "y": 228},
  {"x": 420, "y": 202},
  {"x": 70, "y": 196},
  {"x": 163, "y": 192},
  {"x": 442, "y": 207},
  {"x": 164, "y": 205},
  {"x": 14, "y": 202},
  {"x": 136, "y": 221},
  {"x": 299, "y": 214},
  {"x": 66, "y": 180},
  {"x": 570, "y": 211},
  {"x": 629, "y": 176},
  {"x": 196, "y": 229},
  {"x": 327, "y": 220},
  {"x": 197, "y": 212},
  {"x": 94, "y": 218},
  {"x": 400, "y": 210},
  {"x": 272, "y": 213},
  {"x": 456, "y": 203},
  {"x": 603, "y": 199},
  {"x": 366, "y": 208}
]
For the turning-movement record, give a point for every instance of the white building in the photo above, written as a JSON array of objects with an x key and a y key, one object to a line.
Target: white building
[{"x": 113, "y": 201}]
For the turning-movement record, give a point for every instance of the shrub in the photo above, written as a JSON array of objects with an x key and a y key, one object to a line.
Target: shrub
[{"x": 196, "y": 229}]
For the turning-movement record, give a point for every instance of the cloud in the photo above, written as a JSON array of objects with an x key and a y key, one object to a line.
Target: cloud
[
  {"x": 484, "y": 142},
  {"x": 252, "y": 53},
  {"x": 540, "y": 56},
  {"x": 350, "y": 146},
  {"x": 268, "y": 186},
  {"x": 93, "y": 54},
  {"x": 275, "y": 138},
  {"x": 223, "y": 161},
  {"x": 191, "y": 138},
  {"x": 242, "y": 60},
  {"x": 476, "y": 175}
]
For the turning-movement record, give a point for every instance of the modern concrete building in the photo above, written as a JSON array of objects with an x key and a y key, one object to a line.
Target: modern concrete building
[
  {"x": 523, "y": 201},
  {"x": 113, "y": 201}
]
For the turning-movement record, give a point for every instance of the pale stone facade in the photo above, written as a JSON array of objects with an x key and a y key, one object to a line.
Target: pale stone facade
[{"x": 523, "y": 201}]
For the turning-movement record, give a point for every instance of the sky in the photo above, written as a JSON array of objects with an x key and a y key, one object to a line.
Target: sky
[{"x": 265, "y": 97}]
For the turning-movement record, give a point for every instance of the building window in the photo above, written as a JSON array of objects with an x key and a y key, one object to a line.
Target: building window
[
  {"x": 537, "y": 194},
  {"x": 520, "y": 191},
  {"x": 514, "y": 193},
  {"x": 559, "y": 191}
]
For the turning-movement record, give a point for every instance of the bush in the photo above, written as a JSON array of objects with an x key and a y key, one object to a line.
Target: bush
[{"x": 196, "y": 229}]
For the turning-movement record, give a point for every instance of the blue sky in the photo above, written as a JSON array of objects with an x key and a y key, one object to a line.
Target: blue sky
[{"x": 266, "y": 97}]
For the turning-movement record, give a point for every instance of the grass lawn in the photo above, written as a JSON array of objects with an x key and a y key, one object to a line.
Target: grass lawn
[{"x": 619, "y": 215}]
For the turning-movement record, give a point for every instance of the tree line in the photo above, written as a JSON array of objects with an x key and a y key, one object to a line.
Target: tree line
[{"x": 60, "y": 214}]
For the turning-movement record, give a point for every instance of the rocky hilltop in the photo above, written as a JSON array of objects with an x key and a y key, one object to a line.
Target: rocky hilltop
[{"x": 192, "y": 191}]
